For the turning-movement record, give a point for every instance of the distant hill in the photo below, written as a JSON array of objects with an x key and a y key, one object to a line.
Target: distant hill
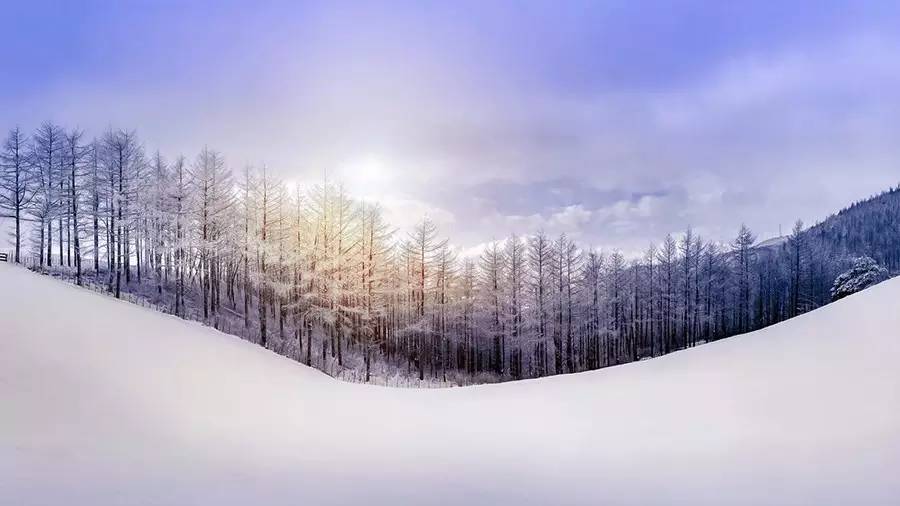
[
  {"x": 795, "y": 273},
  {"x": 772, "y": 243},
  {"x": 869, "y": 227}
]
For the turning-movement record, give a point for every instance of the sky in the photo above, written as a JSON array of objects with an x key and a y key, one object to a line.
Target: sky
[{"x": 615, "y": 122}]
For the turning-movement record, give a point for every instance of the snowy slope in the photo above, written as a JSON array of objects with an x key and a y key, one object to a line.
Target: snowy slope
[
  {"x": 772, "y": 242},
  {"x": 102, "y": 402}
]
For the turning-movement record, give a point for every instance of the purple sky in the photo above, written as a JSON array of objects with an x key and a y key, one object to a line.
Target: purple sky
[{"x": 616, "y": 122}]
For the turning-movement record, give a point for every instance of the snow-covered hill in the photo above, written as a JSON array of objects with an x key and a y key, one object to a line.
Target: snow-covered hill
[{"x": 103, "y": 402}]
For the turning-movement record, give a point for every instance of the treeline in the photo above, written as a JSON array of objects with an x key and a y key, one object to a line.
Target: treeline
[
  {"x": 870, "y": 227},
  {"x": 319, "y": 277}
]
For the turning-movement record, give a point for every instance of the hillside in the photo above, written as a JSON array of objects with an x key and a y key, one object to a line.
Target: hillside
[
  {"x": 868, "y": 227},
  {"x": 104, "y": 402}
]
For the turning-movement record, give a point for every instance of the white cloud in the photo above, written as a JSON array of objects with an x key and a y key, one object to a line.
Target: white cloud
[
  {"x": 406, "y": 213},
  {"x": 791, "y": 131}
]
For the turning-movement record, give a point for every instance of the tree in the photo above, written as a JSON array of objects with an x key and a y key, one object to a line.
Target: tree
[
  {"x": 715, "y": 275},
  {"x": 514, "y": 258},
  {"x": 666, "y": 258},
  {"x": 651, "y": 299},
  {"x": 539, "y": 258},
  {"x": 492, "y": 267},
  {"x": 122, "y": 155},
  {"x": 593, "y": 275},
  {"x": 95, "y": 190},
  {"x": 566, "y": 266},
  {"x": 374, "y": 277},
  {"x": 445, "y": 277},
  {"x": 248, "y": 211},
  {"x": 46, "y": 153},
  {"x": 179, "y": 195},
  {"x": 686, "y": 248},
  {"x": 797, "y": 247},
  {"x": 314, "y": 267},
  {"x": 17, "y": 184},
  {"x": 211, "y": 184},
  {"x": 864, "y": 273},
  {"x": 76, "y": 157},
  {"x": 743, "y": 256},
  {"x": 422, "y": 247},
  {"x": 159, "y": 210},
  {"x": 617, "y": 301},
  {"x": 266, "y": 196}
]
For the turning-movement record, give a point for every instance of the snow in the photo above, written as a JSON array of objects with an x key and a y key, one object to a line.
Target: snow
[
  {"x": 772, "y": 242},
  {"x": 103, "y": 402}
]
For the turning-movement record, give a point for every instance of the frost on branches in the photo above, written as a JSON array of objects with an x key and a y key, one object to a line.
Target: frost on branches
[
  {"x": 322, "y": 278},
  {"x": 864, "y": 273}
]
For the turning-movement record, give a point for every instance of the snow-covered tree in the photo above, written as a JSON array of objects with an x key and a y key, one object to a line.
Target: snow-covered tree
[
  {"x": 743, "y": 257},
  {"x": 17, "y": 184},
  {"x": 306, "y": 271},
  {"x": 864, "y": 273},
  {"x": 47, "y": 150}
]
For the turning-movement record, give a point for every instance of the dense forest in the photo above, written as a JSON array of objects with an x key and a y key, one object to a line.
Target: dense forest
[{"x": 316, "y": 276}]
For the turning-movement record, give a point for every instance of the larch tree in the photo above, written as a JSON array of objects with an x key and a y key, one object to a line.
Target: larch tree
[
  {"x": 539, "y": 254},
  {"x": 741, "y": 249},
  {"x": 666, "y": 258},
  {"x": 180, "y": 205},
  {"x": 77, "y": 157},
  {"x": 797, "y": 248},
  {"x": 515, "y": 260},
  {"x": 211, "y": 184},
  {"x": 492, "y": 267},
  {"x": 18, "y": 186},
  {"x": 299, "y": 269},
  {"x": 47, "y": 151}
]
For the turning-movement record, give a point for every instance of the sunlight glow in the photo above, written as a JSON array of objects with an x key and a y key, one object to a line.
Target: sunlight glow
[{"x": 369, "y": 169}]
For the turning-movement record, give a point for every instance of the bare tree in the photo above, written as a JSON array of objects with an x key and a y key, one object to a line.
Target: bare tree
[
  {"x": 17, "y": 183},
  {"x": 76, "y": 157}
]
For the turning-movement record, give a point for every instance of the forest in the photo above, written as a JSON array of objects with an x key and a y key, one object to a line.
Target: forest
[{"x": 321, "y": 278}]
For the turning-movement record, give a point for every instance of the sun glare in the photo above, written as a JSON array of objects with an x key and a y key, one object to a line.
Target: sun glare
[{"x": 369, "y": 169}]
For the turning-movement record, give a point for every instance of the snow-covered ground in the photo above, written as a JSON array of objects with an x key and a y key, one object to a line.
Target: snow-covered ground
[{"x": 103, "y": 402}]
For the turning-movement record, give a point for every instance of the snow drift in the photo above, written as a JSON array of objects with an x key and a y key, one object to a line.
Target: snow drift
[{"x": 102, "y": 402}]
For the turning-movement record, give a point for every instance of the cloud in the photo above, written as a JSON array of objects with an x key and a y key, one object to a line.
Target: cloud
[
  {"x": 404, "y": 214},
  {"x": 628, "y": 124}
]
